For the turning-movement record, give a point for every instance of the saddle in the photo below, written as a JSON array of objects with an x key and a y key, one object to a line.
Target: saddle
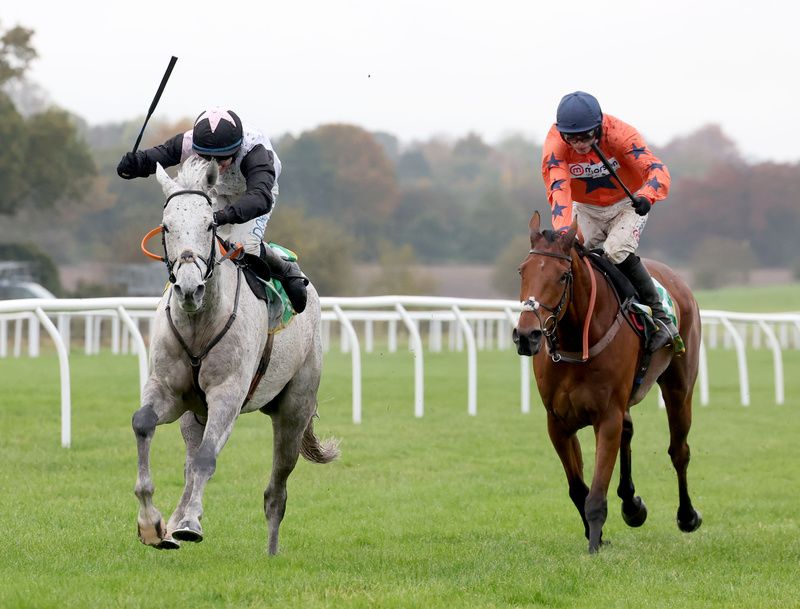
[
  {"x": 267, "y": 289},
  {"x": 637, "y": 314}
]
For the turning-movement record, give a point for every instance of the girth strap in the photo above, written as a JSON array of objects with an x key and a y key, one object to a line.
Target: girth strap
[{"x": 262, "y": 368}]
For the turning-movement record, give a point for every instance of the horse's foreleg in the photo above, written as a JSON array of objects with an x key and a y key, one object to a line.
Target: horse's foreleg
[
  {"x": 223, "y": 409},
  {"x": 607, "y": 436},
  {"x": 634, "y": 511},
  {"x": 192, "y": 432},
  {"x": 679, "y": 414},
  {"x": 152, "y": 530},
  {"x": 568, "y": 448}
]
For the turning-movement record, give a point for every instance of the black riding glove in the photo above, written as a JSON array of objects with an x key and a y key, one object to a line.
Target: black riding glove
[
  {"x": 221, "y": 217},
  {"x": 641, "y": 205},
  {"x": 132, "y": 165}
]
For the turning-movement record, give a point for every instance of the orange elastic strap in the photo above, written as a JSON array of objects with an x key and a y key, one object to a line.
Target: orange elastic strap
[
  {"x": 589, "y": 313},
  {"x": 147, "y": 237},
  {"x": 235, "y": 253}
]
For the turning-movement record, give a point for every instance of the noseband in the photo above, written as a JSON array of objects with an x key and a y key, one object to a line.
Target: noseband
[
  {"x": 210, "y": 261},
  {"x": 531, "y": 304}
]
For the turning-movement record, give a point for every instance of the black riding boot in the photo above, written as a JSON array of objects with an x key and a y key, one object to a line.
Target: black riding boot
[
  {"x": 289, "y": 274},
  {"x": 634, "y": 270}
]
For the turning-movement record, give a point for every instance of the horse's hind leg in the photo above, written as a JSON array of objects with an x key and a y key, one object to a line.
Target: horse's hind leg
[
  {"x": 289, "y": 422},
  {"x": 634, "y": 511},
  {"x": 678, "y": 400},
  {"x": 155, "y": 410}
]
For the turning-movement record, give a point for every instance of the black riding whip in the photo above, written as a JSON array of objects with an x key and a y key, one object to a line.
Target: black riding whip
[
  {"x": 155, "y": 100},
  {"x": 611, "y": 170}
]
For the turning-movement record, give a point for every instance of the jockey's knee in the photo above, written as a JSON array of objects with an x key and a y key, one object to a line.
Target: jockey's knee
[
  {"x": 616, "y": 254},
  {"x": 252, "y": 246}
]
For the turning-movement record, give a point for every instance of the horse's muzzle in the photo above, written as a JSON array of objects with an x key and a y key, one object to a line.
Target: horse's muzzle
[
  {"x": 528, "y": 343},
  {"x": 190, "y": 298}
]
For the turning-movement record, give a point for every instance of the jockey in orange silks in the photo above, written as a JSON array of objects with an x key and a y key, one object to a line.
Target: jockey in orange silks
[{"x": 578, "y": 183}]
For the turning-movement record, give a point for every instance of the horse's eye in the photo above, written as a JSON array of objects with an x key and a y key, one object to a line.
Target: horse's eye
[
  {"x": 519, "y": 270},
  {"x": 563, "y": 278}
]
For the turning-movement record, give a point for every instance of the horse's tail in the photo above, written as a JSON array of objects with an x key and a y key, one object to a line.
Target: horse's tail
[{"x": 315, "y": 450}]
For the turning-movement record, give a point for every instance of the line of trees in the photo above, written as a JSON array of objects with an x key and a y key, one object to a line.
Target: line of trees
[{"x": 350, "y": 196}]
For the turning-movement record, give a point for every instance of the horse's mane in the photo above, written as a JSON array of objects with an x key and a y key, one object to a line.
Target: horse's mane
[
  {"x": 192, "y": 176},
  {"x": 552, "y": 236},
  {"x": 192, "y": 173}
]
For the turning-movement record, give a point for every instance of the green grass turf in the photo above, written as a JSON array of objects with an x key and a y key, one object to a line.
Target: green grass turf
[
  {"x": 444, "y": 511},
  {"x": 773, "y": 298}
]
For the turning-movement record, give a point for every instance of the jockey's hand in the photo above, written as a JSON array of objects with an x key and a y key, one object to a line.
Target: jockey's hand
[
  {"x": 641, "y": 205},
  {"x": 221, "y": 217},
  {"x": 129, "y": 166}
]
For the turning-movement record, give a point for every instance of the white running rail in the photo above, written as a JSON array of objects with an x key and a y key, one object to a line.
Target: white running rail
[{"x": 474, "y": 324}]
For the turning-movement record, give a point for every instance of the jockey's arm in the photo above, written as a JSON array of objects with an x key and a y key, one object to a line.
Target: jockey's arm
[
  {"x": 167, "y": 154},
  {"x": 557, "y": 181},
  {"x": 258, "y": 169}
]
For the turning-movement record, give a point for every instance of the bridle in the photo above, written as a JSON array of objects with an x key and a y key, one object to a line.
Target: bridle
[
  {"x": 550, "y": 322},
  {"x": 210, "y": 261}
]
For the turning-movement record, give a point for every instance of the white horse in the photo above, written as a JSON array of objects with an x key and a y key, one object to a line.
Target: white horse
[{"x": 208, "y": 341}]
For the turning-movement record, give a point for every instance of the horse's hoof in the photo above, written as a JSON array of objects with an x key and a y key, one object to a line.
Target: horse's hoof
[
  {"x": 169, "y": 543},
  {"x": 634, "y": 512},
  {"x": 691, "y": 525},
  {"x": 188, "y": 531},
  {"x": 152, "y": 534},
  {"x": 595, "y": 548}
]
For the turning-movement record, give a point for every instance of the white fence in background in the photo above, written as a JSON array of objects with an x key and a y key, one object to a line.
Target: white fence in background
[{"x": 456, "y": 324}]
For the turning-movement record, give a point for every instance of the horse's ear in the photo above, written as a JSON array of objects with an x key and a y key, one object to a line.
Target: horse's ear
[
  {"x": 573, "y": 230},
  {"x": 167, "y": 183},
  {"x": 536, "y": 221},
  {"x": 212, "y": 174}
]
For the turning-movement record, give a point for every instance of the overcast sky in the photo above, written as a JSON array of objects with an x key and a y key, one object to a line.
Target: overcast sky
[{"x": 422, "y": 68}]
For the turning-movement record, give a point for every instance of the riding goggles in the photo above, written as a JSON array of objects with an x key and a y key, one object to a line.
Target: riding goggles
[
  {"x": 218, "y": 159},
  {"x": 578, "y": 138}
]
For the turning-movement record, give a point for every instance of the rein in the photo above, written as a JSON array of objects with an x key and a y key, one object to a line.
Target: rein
[{"x": 550, "y": 324}]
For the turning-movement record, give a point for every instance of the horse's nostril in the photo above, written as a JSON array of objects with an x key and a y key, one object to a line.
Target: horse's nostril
[
  {"x": 198, "y": 294},
  {"x": 178, "y": 290}
]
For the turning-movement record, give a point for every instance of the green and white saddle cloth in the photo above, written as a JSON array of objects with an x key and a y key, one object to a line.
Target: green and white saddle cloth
[
  {"x": 278, "y": 300},
  {"x": 669, "y": 308}
]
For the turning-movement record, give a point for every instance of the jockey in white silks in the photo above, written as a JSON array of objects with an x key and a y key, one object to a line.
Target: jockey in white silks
[{"x": 246, "y": 194}]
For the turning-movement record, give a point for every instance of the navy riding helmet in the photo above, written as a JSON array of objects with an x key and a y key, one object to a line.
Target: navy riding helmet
[
  {"x": 217, "y": 132},
  {"x": 578, "y": 112}
]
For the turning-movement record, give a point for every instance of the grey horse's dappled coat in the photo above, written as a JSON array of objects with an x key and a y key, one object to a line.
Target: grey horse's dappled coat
[{"x": 200, "y": 303}]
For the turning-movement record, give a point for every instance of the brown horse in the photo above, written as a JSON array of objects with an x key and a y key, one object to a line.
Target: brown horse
[{"x": 571, "y": 307}]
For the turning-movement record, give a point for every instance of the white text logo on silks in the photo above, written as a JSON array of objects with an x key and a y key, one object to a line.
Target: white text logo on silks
[
  {"x": 637, "y": 229},
  {"x": 591, "y": 170},
  {"x": 260, "y": 225}
]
